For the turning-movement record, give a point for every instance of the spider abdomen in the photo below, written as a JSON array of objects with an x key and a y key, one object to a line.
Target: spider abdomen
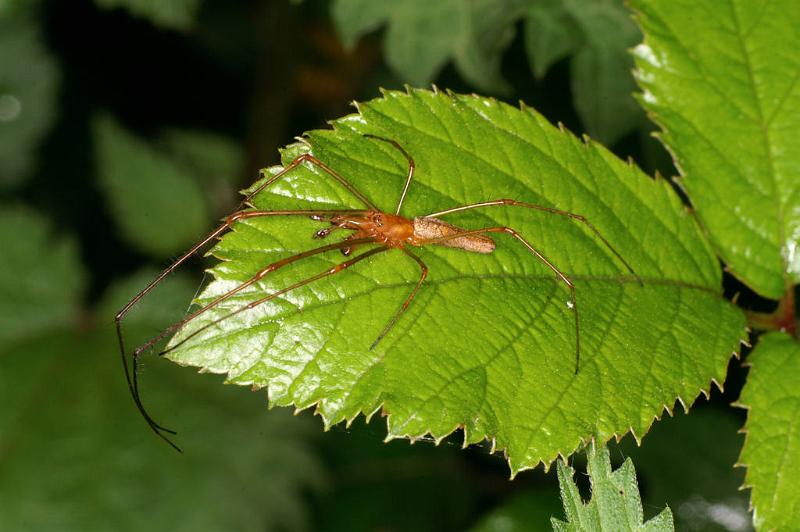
[{"x": 427, "y": 230}]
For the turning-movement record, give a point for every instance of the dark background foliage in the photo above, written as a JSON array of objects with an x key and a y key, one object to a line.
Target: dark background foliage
[{"x": 130, "y": 115}]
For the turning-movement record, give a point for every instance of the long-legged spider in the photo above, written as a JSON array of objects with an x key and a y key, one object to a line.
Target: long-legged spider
[{"x": 369, "y": 226}]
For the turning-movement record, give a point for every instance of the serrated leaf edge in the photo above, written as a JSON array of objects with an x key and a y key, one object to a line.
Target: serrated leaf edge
[{"x": 546, "y": 462}]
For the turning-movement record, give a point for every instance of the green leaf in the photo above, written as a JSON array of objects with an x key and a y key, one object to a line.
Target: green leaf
[
  {"x": 175, "y": 14},
  {"x": 488, "y": 344},
  {"x": 28, "y": 86},
  {"x": 423, "y": 36},
  {"x": 76, "y": 456},
  {"x": 156, "y": 202},
  {"x": 771, "y": 450},
  {"x": 41, "y": 278},
  {"x": 615, "y": 504},
  {"x": 721, "y": 80}
]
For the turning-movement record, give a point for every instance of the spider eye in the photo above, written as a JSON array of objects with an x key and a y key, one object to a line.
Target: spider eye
[{"x": 378, "y": 220}]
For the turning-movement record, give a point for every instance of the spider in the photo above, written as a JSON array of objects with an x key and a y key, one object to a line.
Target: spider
[{"x": 368, "y": 226}]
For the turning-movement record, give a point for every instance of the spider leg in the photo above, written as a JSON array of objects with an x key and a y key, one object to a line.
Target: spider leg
[
  {"x": 411, "y": 166},
  {"x": 133, "y": 379},
  {"x": 307, "y": 157},
  {"x": 577, "y": 217},
  {"x": 327, "y": 273},
  {"x": 249, "y": 282},
  {"x": 561, "y": 275},
  {"x": 423, "y": 274},
  {"x": 131, "y": 372}
]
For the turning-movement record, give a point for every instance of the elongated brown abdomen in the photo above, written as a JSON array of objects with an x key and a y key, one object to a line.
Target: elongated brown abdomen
[{"x": 430, "y": 229}]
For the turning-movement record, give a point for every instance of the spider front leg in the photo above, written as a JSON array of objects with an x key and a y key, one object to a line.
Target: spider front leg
[{"x": 131, "y": 372}]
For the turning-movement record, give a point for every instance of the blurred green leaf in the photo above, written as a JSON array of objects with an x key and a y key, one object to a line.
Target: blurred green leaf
[
  {"x": 529, "y": 511},
  {"x": 213, "y": 161},
  {"x": 771, "y": 451},
  {"x": 597, "y": 34},
  {"x": 550, "y": 35},
  {"x": 173, "y": 14},
  {"x": 720, "y": 78},
  {"x": 41, "y": 278},
  {"x": 157, "y": 203},
  {"x": 395, "y": 486},
  {"x": 602, "y": 82},
  {"x": 489, "y": 342},
  {"x": 423, "y": 36},
  {"x": 105, "y": 471},
  {"x": 615, "y": 504},
  {"x": 28, "y": 87}
]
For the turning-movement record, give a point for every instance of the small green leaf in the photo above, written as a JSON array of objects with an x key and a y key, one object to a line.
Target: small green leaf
[
  {"x": 615, "y": 504},
  {"x": 489, "y": 342},
  {"x": 41, "y": 278},
  {"x": 157, "y": 203},
  {"x": 771, "y": 450},
  {"x": 721, "y": 80},
  {"x": 28, "y": 88},
  {"x": 174, "y": 14}
]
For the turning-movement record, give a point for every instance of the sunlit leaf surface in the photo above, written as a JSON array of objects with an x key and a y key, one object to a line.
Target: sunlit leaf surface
[
  {"x": 721, "y": 78},
  {"x": 489, "y": 343},
  {"x": 771, "y": 452}
]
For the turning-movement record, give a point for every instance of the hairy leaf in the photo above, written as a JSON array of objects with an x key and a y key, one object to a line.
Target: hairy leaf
[
  {"x": 721, "y": 78},
  {"x": 155, "y": 200},
  {"x": 174, "y": 14},
  {"x": 615, "y": 504},
  {"x": 771, "y": 451},
  {"x": 489, "y": 343},
  {"x": 41, "y": 278}
]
